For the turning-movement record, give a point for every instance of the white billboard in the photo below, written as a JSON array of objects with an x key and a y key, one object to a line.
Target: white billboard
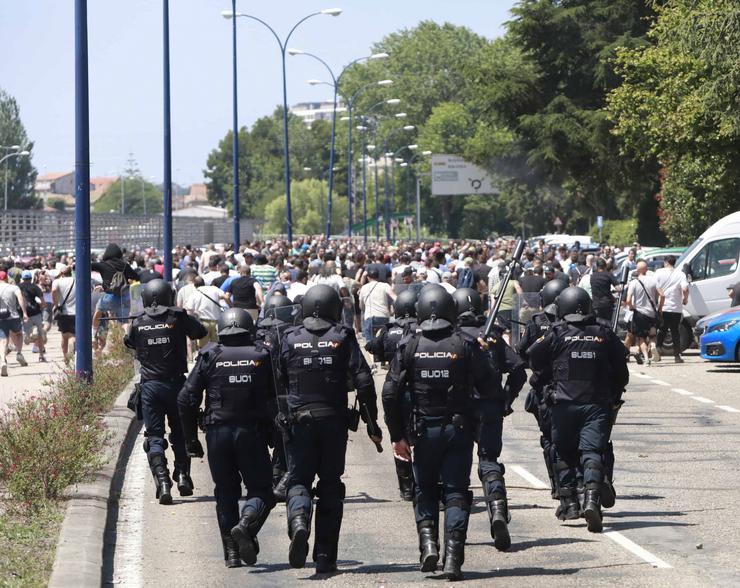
[{"x": 453, "y": 176}]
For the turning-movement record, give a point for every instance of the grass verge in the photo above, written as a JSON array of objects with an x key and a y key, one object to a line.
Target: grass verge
[{"x": 48, "y": 442}]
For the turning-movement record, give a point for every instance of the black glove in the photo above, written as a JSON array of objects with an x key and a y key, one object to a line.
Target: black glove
[
  {"x": 195, "y": 449},
  {"x": 507, "y": 408}
]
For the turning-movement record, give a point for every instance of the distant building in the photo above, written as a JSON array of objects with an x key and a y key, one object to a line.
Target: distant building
[
  {"x": 55, "y": 183},
  {"x": 311, "y": 111},
  {"x": 197, "y": 195},
  {"x": 100, "y": 185},
  {"x": 204, "y": 211}
]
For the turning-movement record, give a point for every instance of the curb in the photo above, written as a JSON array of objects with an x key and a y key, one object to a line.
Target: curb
[{"x": 79, "y": 555}]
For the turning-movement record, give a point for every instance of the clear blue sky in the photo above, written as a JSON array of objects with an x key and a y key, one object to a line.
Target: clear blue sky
[{"x": 37, "y": 67}]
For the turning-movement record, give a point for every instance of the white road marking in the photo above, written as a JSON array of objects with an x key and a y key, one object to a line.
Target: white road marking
[
  {"x": 615, "y": 536},
  {"x": 633, "y": 547},
  {"x": 727, "y": 408},
  {"x": 128, "y": 566},
  {"x": 661, "y": 383},
  {"x": 682, "y": 392},
  {"x": 702, "y": 399},
  {"x": 531, "y": 478},
  {"x": 645, "y": 376}
]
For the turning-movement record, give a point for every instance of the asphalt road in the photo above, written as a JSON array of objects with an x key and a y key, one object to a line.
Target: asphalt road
[{"x": 677, "y": 477}]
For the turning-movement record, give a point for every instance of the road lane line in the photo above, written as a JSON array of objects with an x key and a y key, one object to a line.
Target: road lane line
[
  {"x": 661, "y": 383},
  {"x": 634, "y": 548},
  {"x": 531, "y": 478},
  {"x": 615, "y": 536},
  {"x": 682, "y": 392},
  {"x": 727, "y": 408},
  {"x": 702, "y": 399}
]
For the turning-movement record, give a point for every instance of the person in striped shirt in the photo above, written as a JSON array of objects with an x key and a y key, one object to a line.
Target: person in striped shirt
[{"x": 263, "y": 272}]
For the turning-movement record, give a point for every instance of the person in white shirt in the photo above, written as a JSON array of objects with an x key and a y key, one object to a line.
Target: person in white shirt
[
  {"x": 642, "y": 298},
  {"x": 13, "y": 309},
  {"x": 376, "y": 302},
  {"x": 206, "y": 303},
  {"x": 299, "y": 287},
  {"x": 673, "y": 293},
  {"x": 445, "y": 283}
]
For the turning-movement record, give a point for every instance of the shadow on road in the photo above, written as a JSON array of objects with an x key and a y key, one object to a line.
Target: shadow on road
[
  {"x": 363, "y": 497},
  {"x": 545, "y": 542}
]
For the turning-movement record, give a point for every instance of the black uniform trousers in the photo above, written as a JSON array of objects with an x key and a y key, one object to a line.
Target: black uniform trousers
[
  {"x": 236, "y": 455},
  {"x": 443, "y": 451},
  {"x": 317, "y": 447},
  {"x": 159, "y": 404},
  {"x": 489, "y": 431},
  {"x": 580, "y": 428}
]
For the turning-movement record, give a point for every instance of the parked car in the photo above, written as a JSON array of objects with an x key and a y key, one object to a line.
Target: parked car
[{"x": 720, "y": 339}]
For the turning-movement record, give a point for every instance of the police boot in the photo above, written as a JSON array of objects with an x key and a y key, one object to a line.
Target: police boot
[
  {"x": 325, "y": 556},
  {"x": 231, "y": 552},
  {"x": 405, "y": 475},
  {"x": 608, "y": 493},
  {"x": 551, "y": 473},
  {"x": 158, "y": 465},
  {"x": 245, "y": 536},
  {"x": 280, "y": 488},
  {"x": 592, "y": 509},
  {"x": 298, "y": 530},
  {"x": 454, "y": 556},
  {"x": 500, "y": 519},
  {"x": 183, "y": 480},
  {"x": 428, "y": 546},
  {"x": 570, "y": 508}
]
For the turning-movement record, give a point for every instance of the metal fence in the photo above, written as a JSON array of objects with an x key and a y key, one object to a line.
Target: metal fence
[{"x": 24, "y": 232}]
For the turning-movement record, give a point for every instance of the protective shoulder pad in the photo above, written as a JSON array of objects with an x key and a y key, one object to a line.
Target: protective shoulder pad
[{"x": 209, "y": 349}]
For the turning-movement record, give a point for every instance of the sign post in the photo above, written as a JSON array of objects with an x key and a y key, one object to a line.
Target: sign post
[
  {"x": 453, "y": 176},
  {"x": 600, "y": 225}
]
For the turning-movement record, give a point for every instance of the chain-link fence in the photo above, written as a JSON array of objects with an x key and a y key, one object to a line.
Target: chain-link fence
[{"x": 24, "y": 232}]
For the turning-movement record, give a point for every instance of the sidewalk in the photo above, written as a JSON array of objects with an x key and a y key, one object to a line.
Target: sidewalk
[{"x": 29, "y": 380}]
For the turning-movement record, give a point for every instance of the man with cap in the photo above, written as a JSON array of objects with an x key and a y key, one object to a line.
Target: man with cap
[
  {"x": 158, "y": 336},
  {"x": 489, "y": 412},
  {"x": 320, "y": 362},
  {"x": 588, "y": 366},
  {"x": 35, "y": 305},
  {"x": 441, "y": 366},
  {"x": 383, "y": 346},
  {"x": 237, "y": 376},
  {"x": 535, "y": 403}
]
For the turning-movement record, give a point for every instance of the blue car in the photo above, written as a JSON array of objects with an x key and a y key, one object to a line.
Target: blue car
[{"x": 720, "y": 340}]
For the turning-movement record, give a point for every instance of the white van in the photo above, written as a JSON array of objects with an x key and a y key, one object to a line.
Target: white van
[{"x": 711, "y": 264}]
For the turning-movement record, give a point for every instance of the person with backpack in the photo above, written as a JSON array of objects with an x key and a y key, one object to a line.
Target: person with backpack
[
  {"x": 35, "y": 304},
  {"x": 206, "y": 304},
  {"x": 465, "y": 275},
  {"x": 116, "y": 274},
  {"x": 12, "y": 304},
  {"x": 63, "y": 310}
]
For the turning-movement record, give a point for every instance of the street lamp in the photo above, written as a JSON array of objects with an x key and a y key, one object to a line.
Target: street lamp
[
  {"x": 283, "y": 44},
  {"x": 336, "y": 85},
  {"x": 414, "y": 157},
  {"x": 6, "y": 159},
  {"x": 390, "y": 154}
]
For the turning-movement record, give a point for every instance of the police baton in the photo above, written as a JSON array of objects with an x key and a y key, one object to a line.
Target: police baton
[
  {"x": 623, "y": 279},
  {"x": 518, "y": 250},
  {"x": 372, "y": 427}
]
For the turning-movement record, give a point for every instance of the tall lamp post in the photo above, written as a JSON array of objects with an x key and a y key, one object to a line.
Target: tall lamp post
[
  {"x": 418, "y": 190},
  {"x": 335, "y": 84},
  {"x": 236, "y": 213},
  {"x": 167, "y": 175},
  {"x": 394, "y": 160},
  {"x": 6, "y": 159},
  {"x": 286, "y": 140},
  {"x": 386, "y": 155}
]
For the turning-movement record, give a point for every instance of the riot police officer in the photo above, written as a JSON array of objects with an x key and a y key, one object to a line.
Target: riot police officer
[
  {"x": 158, "y": 336},
  {"x": 279, "y": 314},
  {"x": 440, "y": 365},
  {"x": 383, "y": 346},
  {"x": 539, "y": 325},
  {"x": 588, "y": 363},
  {"x": 490, "y": 411},
  {"x": 320, "y": 361},
  {"x": 240, "y": 406}
]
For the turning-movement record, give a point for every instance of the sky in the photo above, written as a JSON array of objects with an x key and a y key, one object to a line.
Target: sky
[{"x": 125, "y": 63}]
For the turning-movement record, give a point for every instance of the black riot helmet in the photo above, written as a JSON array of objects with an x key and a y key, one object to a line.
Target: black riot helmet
[
  {"x": 435, "y": 309},
  {"x": 468, "y": 300},
  {"x": 574, "y": 304},
  {"x": 405, "y": 304},
  {"x": 235, "y": 321},
  {"x": 156, "y": 293},
  {"x": 321, "y": 306},
  {"x": 551, "y": 291},
  {"x": 272, "y": 315}
]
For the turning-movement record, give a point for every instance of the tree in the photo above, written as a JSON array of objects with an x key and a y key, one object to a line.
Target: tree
[
  {"x": 18, "y": 171},
  {"x": 309, "y": 203},
  {"x": 678, "y": 104},
  {"x": 132, "y": 191},
  {"x": 261, "y": 164}
]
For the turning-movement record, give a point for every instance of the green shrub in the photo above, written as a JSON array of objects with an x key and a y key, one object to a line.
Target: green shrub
[{"x": 617, "y": 232}]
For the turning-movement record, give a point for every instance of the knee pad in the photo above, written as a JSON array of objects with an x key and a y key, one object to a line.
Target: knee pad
[
  {"x": 593, "y": 461},
  {"x": 147, "y": 444},
  {"x": 461, "y": 501},
  {"x": 296, "y": 491}
]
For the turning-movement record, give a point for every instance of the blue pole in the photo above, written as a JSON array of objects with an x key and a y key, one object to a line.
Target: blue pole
[
  {"x": 349, "y": 172},
  {"x": 235, "y": 148},
  {"x": 331, "y": 162},
  {"x": 387, "y": 195},
  {"x": 286, "y": 154},
  {"x": 83, "y": 315},
  {"x": 364, "y": 190},
  {"x": 167, "y": 225}
]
